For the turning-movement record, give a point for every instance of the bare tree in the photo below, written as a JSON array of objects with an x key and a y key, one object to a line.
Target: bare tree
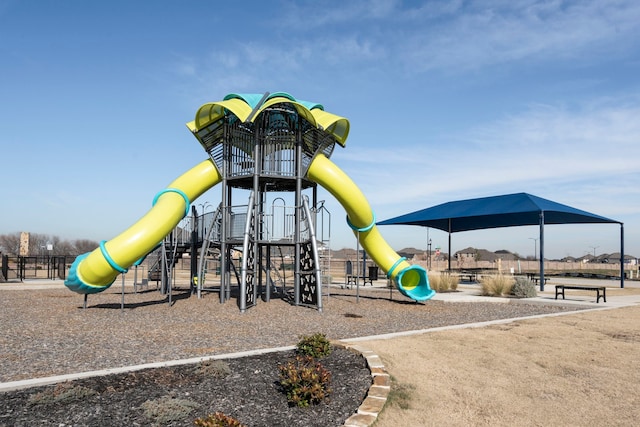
[
  {"x": 10, "y": 243},
  {"x": 82, "y": 246},
  {"x": 39, "y": 244},
  {"x": 64, "y": 247},
  {"x": 43, "y": 244}
]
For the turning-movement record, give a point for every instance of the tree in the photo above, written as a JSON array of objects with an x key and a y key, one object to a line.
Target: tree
[
  {"x": 10, "y": 243},
  {"x": 42, "y": 244},
  {"x": 82, "y": 246}
]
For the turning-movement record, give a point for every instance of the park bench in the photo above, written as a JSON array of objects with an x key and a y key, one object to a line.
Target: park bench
[
  {"x": 471, "y": 276},
  {"x": 352, "y": 279},
  {"x": 560, "y": 290},
  {"x": 536, "y": 280}
]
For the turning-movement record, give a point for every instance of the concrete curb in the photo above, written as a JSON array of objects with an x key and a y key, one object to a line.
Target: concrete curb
[
  {"x": 36, "y": 382},
  {"x": 376, "y": 398}
]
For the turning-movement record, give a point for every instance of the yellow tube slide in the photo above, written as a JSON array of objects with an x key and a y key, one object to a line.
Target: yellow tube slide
[
  {"x": 411, "y": 280},
  {"x": 95, "y": 271}
]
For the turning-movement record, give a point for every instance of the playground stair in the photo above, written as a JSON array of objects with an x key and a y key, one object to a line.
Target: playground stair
[{"x": 173, "y": 254}]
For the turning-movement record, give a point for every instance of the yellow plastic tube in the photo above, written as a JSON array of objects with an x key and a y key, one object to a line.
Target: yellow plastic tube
[
  {"x": 411, "y": 280},
  {"x": 96, "y": 271}
]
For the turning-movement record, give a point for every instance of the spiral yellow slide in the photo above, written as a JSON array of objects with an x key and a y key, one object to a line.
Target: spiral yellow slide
[
  {"x": 411, "y": 280},
  {"x": 95, "y": 271}
]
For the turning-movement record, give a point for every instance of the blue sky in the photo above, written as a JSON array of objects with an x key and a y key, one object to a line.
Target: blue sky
[{"x": 447, "y": 100}]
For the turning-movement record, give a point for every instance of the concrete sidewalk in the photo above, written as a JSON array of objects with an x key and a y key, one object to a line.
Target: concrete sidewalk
[
  {"x": 469, "y": 292},
  {"x": 465, "y": 292}
]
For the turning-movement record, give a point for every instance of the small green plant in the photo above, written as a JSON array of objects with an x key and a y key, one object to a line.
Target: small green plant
[
  {"x": 218, "y": 419},
  {"x": 213, "y": 368},
  {"x": 496, "y": 285},
  {"x": 62, "y": 393},
  {"x": 167, "y": 409},
  {"x": 316, "y": 346},
  {"x": 305, "y": 381},
  {"x": 524, "y": 288}
]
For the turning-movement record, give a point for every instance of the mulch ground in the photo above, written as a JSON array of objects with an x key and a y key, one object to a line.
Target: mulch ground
[{"x": 176, "y": 396}]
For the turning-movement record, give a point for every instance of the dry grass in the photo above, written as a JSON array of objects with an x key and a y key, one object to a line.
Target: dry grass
[
  {"x": 526, "y": 373},
  {"x": 496, "y": 285},
  {"x": 443, "y": 282}
]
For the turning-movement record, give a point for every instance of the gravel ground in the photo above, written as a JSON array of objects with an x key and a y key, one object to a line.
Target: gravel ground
[{"x": 47, "y": 332}]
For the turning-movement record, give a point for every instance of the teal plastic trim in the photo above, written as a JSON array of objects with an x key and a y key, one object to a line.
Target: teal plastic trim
[
  {"x": 174, "y": 190},
  {"x": 110, "y": 260},
  {"x": 422, "y": 291},
  {"x": 252, "y": 99},
  {"x": 393, "y": 267},
  {"x": 311, "y": 105},
  {"x": 362, "y": 229},
  {"x": 282, "y": 95},
  {"x": 76, "y": 285}
]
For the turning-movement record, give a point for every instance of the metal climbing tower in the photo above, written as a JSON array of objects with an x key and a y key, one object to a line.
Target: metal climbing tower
[{"x": 264, "y": 159}]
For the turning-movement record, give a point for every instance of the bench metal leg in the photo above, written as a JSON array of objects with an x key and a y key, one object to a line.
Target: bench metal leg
[
  {"x": 604, "y": 295},
  {"x": 351, "y": 280}
]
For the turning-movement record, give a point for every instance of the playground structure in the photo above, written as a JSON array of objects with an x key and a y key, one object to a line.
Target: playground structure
[{"x": 269, "y": 146}]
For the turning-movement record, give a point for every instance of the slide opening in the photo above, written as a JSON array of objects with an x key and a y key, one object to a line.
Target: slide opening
[
  {"x": 75, "y": 283},
  {"x": 413, "y": 282}
]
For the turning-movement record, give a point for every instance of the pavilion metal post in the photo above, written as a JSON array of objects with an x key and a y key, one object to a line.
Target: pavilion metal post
[
  {"x": 541, "y": 251},
  {"x": 449, "y": 268},
  {"x": 622, "y": 255}
]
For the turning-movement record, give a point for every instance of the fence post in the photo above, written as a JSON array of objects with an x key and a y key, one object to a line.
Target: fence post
[{"x": 5, "y": 267}]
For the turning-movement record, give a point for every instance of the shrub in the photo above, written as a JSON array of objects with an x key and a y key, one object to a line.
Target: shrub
[
  {"x": 218, "y": 420},
  {"x": 316, "y": 346},
  {"x": 62, "y": 393},
  {"x": 305, "y": 381},
  {"x": 443, "y": 282},
  {"x": 524, "y": 288},
  {"x": 168, "y": 409},
  {"x": 496, "y": 285},
  {"x": 452, "y": 281},
  {"x": 213, "y": 368}
]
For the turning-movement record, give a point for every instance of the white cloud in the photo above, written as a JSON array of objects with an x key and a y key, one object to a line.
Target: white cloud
[
  {"x": 545, "y": 147},
  {"x": 311, "y": 15},
  {"x": 485, "y": 34},
  {"x": 331, "y": 38}
]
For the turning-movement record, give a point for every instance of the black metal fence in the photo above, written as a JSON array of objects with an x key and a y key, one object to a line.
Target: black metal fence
[{"x": 36, "y": 267}]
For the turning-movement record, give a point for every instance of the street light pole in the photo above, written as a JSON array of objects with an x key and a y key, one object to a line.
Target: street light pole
[
  {"x": 204, "y": 206},
  {"x": 428, "y": 250}
]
